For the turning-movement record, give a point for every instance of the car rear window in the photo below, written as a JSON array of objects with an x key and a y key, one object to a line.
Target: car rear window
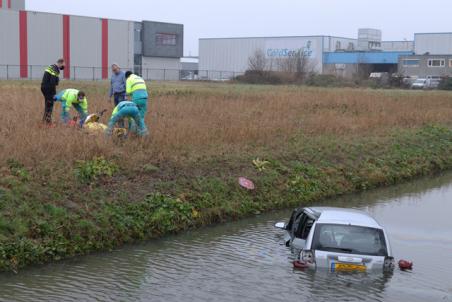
[{"x": 349, "y": 239}]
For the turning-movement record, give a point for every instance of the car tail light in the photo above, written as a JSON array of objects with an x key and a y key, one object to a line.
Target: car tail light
[
  {"x": 389, "y": 263},
  {"x": 307, "y": 256}
]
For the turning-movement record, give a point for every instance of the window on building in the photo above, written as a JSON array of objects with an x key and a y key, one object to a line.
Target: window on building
[
  {"x": 166, "y": 39},
  {"x": 373, "y": 44},
  {"x": 450, "y": 63},
  {"x": 436, "y": 63},
  {"x": 410, "y": 63}
]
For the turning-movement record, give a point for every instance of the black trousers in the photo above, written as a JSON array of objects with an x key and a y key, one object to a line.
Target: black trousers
[{"x": 48, "y": 104}]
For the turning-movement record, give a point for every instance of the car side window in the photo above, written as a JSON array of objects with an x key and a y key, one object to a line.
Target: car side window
[
  {"x": 292, "y": 220},
  {"x": 299, "y": 225},
  {"x": 307, "y": 228}
]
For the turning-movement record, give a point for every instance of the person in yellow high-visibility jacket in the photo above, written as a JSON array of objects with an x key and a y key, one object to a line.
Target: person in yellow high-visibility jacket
[
  {"x": 72, "y": 98},
  {"x": 127, "y": 110},
  {"x": 136, "y": 92}
]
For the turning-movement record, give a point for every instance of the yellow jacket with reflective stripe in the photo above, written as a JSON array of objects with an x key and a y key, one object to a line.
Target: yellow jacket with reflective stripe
[
  {"x": 52, "y": 71},
  {"x": 134, "y": 83},
  {"x": 70, "y": 96}
]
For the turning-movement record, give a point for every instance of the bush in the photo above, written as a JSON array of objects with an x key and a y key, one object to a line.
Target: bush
[
  {"x": 90, "y": 170},
  {"x": 278, "y": 78},
  {"x": 260, "y": 77},
  {"x": 327, "y": 80},
  {"x": 445, "y": 84},
  {"x": 269, "y": 77},
  {"x": 18, "y": 169}
]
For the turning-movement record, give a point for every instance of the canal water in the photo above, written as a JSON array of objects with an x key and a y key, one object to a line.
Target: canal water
[{"x": 246, "y": 260}]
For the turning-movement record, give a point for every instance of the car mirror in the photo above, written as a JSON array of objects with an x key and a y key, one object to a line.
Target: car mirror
[
  {"x": 298, "y": 243},
  {"x": 280, "y": 225}
]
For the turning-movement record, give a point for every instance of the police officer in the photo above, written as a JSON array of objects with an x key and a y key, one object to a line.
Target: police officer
[{"x": 50, "y": 81}]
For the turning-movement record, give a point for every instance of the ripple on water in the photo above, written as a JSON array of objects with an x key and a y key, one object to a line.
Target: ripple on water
[{"x": 247, "y": 261}]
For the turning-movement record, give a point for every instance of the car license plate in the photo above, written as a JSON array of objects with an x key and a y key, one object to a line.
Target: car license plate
[{"x": 346, "y": 267}]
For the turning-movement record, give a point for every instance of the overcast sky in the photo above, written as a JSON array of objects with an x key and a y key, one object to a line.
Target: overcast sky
[{"x": 399, "y": 19}]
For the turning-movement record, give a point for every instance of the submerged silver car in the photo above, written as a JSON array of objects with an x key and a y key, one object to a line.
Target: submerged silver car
[{"x": 338, "y": 239}]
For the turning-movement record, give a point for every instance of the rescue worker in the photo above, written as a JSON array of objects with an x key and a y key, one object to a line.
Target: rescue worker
[
  {"x": 136, "y": 92},
  {"x": 72, "y": 98},
  {"x": 50, "y": 81},
  {"x": 130, "y": 111}
]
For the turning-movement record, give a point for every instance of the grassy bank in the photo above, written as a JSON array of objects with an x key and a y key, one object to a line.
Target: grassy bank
[{"x": 65, "y": 193}]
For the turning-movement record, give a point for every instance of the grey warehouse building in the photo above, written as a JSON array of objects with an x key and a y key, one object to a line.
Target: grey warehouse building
[{"x": 432, "y": 56}]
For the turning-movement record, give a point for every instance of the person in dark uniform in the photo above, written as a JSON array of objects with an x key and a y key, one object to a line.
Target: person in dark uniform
[{"x": 50, "y": 81}]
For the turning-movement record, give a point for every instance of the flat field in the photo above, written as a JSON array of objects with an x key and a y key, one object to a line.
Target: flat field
[{"x": 191, "y": 120}]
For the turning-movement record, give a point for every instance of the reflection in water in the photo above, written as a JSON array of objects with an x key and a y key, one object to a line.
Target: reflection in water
[{"x": 247, "y": 261}]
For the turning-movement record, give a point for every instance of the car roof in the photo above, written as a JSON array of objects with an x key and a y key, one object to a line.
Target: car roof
[{"x": 343, "y": 216}]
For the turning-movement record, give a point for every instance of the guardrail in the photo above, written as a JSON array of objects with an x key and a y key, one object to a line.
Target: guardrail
[{"x": 35, "y": 72}]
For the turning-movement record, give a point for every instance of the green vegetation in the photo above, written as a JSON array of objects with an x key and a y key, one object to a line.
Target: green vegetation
[
  {"x": 445, "y": 84},
  {"x": 39, "y": 223},
  {"x": 64, "y": 192},
  {"x": 90, "y": 170}
]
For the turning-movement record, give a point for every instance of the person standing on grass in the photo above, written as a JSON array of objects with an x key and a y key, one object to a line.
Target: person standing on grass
[
  {"x": 50, "y": 81},
  {"x": 117, "y": 84},
  {"x": 136, "y": 92},
  {"x": 72, "y": 98}
]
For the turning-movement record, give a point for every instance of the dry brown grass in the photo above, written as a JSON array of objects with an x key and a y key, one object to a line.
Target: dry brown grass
[{"x": 205, "y": 119}]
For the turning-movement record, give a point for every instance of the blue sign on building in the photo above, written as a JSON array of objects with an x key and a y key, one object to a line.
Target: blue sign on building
[
  {"x": 381, "y": 57},
  {"x": 290, "y": 52}
]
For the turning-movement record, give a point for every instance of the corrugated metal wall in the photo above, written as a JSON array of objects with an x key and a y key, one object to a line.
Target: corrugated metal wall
[
  {"x": 161, "y": 68},
  {"x": 9, "y": 43},
  {"x": 433, "y": 43},
  {"x": 397, "y": 46},
  {"x": 12, "y": 4},
  {"x": 120, "y": 43},
  {"x": 227, "y": 54},
  {"x": 30, "y": 41},
  {"x": 86, "y": 47},
  {"x": 339, "y": 43},
  {"x": 232, "y": 54},
  {"x": 45, "y": 41},
  {"x": 17, "y": 4},
  {"x": 90, "y": 45}
]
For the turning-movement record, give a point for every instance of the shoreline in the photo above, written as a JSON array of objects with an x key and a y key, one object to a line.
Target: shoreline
[{"x": 35, "y": 228}]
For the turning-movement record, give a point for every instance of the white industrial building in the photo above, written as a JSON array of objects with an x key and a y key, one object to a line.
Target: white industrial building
[
  {"x": 433, "y": 43},
  {"x": 428, "y": 55},
  {"x": 30, "y": 41},
  {"x": 232, "y": 54},
  {"x": 221, "y": 57}
]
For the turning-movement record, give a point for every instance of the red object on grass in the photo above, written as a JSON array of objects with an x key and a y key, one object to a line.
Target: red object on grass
[
  {"x": 405, "y": 265},
  {"x": 246, "y": 183}
]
